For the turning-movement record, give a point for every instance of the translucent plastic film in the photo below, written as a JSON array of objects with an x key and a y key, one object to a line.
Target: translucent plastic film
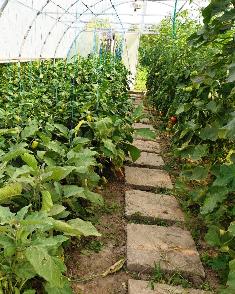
[{"x": 33, "y": 29}]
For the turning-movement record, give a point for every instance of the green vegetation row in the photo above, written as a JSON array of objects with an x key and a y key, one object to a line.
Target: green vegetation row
[
  {"x": 61, "y": 124},
  {"x": 191, "y": 84}
]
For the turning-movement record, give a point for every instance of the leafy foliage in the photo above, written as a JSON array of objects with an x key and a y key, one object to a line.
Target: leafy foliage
[
  {"x": 192, "y": 78},
  {"x": 60, "y": 125}
]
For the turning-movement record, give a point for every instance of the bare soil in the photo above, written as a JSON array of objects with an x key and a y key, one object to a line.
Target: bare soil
[{"x": 86, "y": 264}]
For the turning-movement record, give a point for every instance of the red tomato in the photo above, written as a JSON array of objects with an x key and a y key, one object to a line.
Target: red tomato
[{"x": 174, "y": 119}]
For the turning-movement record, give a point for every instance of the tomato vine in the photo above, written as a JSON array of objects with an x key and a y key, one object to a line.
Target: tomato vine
[{"x": 191, "y": 79}]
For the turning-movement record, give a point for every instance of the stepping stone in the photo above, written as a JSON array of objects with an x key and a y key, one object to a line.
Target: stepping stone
[
  {"x": 142, "y": 126},
  {"x": 147, "y": 178},
  {"x": 151, "y": 160},
  {"x": 138, "y": 100},
  {"x": 145, "y": 120},
  {"x": 142, "y": 287},
  {"x": 172, "y": 248},
  {"x": 148, "y": 146},
  {"x": 152, "y": 206}
]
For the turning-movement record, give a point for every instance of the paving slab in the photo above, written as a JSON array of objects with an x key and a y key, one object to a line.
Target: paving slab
[
  {"x": 138, "y": 100},
  {"x": 148, "y": 159},
  {"x": 142, "y": 287},
  {"x": 142, "y": 126},
  {"x": 152, "y": 206},
  {"x": 145, "y": 120},
  {"x": 172, "y": 248},
  {"x": 148, "y": 146},
  {"x": 146, "y": 178}
]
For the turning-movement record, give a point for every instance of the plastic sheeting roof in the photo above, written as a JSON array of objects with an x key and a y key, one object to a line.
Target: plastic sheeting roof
[{"x": 32, "y": 29}]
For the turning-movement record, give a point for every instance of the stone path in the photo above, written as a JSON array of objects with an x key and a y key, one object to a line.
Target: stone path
[{"x": 168, "y": 245}]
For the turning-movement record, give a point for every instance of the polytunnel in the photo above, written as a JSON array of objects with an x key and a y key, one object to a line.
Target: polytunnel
[
  {"x": 117, "y": 151},
  {"x": 56, "y": 29}
]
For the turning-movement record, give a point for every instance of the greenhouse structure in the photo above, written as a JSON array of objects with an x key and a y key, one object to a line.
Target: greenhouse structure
[{"x": 117, "y": 146}]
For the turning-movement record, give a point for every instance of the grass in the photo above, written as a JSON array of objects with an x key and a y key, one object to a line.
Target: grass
[
  {"x": 141, "y": 77},
  {"x": 137, "y": 218},
  {"x": 175, "y": 279}
]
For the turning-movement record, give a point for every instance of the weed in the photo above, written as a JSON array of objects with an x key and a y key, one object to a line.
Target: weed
[
  {"x": 95, "y": 246},
  {"x": 137, "y": 218},
  {"x": 110, "y": 208},
  {"x": 178, "y": 279},
  {"x": 157, "y": 276}
]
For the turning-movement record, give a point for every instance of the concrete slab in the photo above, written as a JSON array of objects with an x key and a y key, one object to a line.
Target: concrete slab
[
  {"x": 142, "y": 126},
  {"x": 147, "y": 178},
  {"x": 152, "y": 206},
  {"x": 145, "y": 120},
  {"x": 142, "y": 287},
  {"x": 170, "y": 247},
  {"x": 148, "y": 146},
  {"x": 148, "y": 159}
]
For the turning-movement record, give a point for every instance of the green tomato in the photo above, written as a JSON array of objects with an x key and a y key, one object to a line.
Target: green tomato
[
  {"x": 34, "y": 144},
  {"x": 188, "y": 89}
]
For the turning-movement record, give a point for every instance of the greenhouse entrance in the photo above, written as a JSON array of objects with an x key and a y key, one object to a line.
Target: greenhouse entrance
[{"x": 117, "y": 151}]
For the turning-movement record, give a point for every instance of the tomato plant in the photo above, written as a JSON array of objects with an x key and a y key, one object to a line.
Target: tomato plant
[{"x": 192, "y": 77}]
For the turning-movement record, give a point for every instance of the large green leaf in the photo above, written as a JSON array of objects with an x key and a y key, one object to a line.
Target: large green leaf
[
  {"x": 47, "y": 202},
  {"x": 76, "y": 227},
  {"x": 138, "y": 112},
  {"x": 20, "y": 215},
  {"x": 213, "y": 236},
  {"x": 8, "y": 245},
  {"x": 134, "y": 151},
  {"x": 194, "y": 152},
  {"x": 215, "y": 196},
  {"x": 12, "y": 154},
  {"x": 58, "y": 173},
  {"x": 36, "y": 221},
  {"x": 82, "y": 159},
  {"x": 50, "y": 243},
  {"x": 231, "y": 228},
  {"x": 108, "y": 144},
  {"x": 73, "y": 191},
  {"x": 44, "y": 265},
  {"x": 63, "y": 129},
  {"x": 231, "y": 77},
  {"x": 145, "y": 133},
  {"x": 196, "y": 173},
  {"x": 94, "y": 197},
  {"x": 230, "y": 129},
  {"x": 24, "y": 270},
  {"x": 30, "y": 291},
  {"x": 57, "y": 209},
  {"x": 29, "y": 130},
  {"x": 5, "y": 215},
  {"x": 56, "y": 147},
  {"x": 209, "y": 133},
  {"x": 9, "y": 131},
  {"x": 86, "y": 228},
  {"x": 30, "y": 160},
  {"x": 183, "y": 108},
  {"x": 66, "y": 228},
  {"x": 10, "y": 191},
  {"x": 53, "y": 290},
  {"x": 231, "y": 276},
  {"x": 225, "y": 176},
  {"x": 103, "y": 127}
]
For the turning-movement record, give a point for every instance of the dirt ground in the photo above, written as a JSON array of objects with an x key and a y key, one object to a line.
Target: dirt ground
[{"x": 101, "y": 253}]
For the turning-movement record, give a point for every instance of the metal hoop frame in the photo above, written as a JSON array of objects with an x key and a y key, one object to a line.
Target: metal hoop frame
[{"x": 71, "y": 25}]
